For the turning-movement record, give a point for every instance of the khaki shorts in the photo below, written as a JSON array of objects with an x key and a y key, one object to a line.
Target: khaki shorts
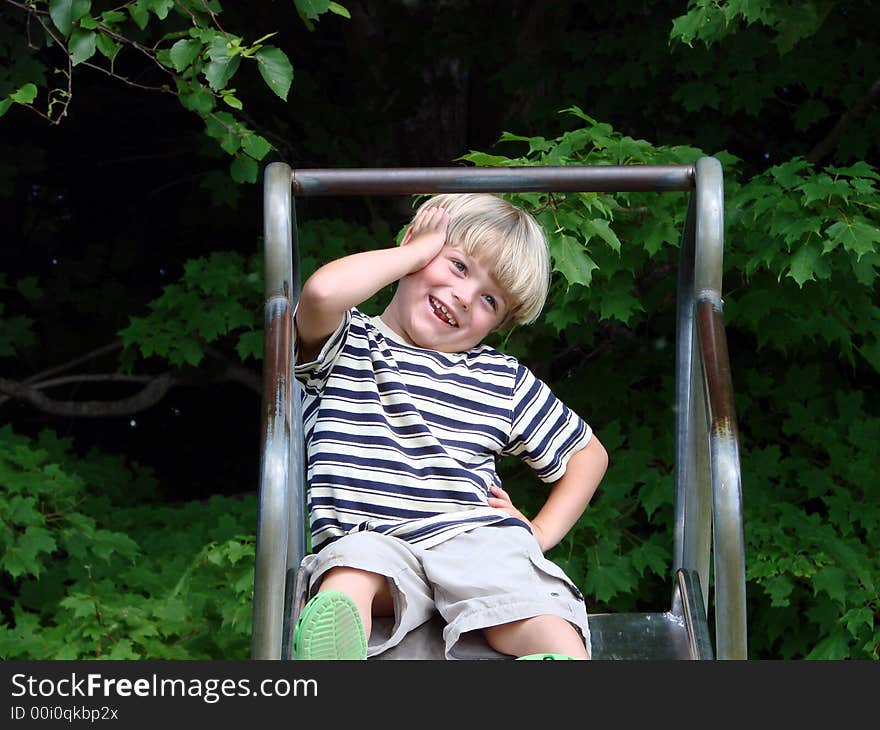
[{"x": 485, "y": 577}]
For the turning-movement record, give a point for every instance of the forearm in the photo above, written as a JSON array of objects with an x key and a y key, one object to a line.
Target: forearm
[
  {"x": 570, "y": 496},
  {"x": 344, "y": 283}
]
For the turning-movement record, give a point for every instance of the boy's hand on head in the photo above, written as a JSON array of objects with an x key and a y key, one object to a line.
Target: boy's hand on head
[{"x": 427, "y": 234}]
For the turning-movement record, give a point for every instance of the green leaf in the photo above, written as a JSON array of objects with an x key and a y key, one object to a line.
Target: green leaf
[
  {"x": 139, "y": 14},
  {"x": 250, "y": 344},
  {"x": 807, "y": 264},
  {"x": 653, "y": 556},
  {"x": 686, "y": 28},
  {"x": 601, "y": 228},
  {"x": 113, "y": 17},
  {"x": 857, "y": 235},
  {"x": 831, "y": 580},
  {"x": 220, "y": 71},
  {"x": 189, "y": 351},
  {"x": 244, "y": 169},
  {"x": 256, "y": 146},
  {"x": 483, "y": 159},
  {"x": 29, "y": 288},
  {"x": 856, "y": 618},
  {"x": 65, "y": 13},
  {"x": 105, "y": 543},
  {"x": 859, "y": 169},
  {"x": 81, "y": 45},
  {"x": 571, "y": 260},
  {"x": 107, "y": 46},
  {"x": 25, "y": 95},
  {"x": 311, "y": 9},
  {"x": 605, "y": 581},
  {"x": 276, "y": 69},
  {"x": 230, "y": 100},
  {"x": 339, "y": 10},
  {"x": 831, "y": 647},
  {"x": 21, "y": 558},
  {"x": 81, "y": 605},
  {"x": 159, "y": 7},
  {"x": 620, "y": 305},
  {"x": 123, "y": 649},
  {"x": 4, "y": 106},
  {"x": 788, "y": 173},
  {"x": 654, "y": 494},
  {"x": 199, "y": 100},
  {"x": 824, "y": 186},
  {"x": 779, "y": 588},
  {"x": 184, "y": 52}
]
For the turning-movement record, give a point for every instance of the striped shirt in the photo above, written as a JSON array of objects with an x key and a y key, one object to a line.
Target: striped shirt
[{"x": 403, "y": 440}]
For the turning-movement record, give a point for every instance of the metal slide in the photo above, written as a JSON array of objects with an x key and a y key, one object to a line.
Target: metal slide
[{"x": 708, "y": 490}]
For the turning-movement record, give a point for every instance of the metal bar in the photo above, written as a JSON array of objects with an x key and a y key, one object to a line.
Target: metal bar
[
  {"x": 690, "y": 604},
  {"x": 693, "y": 499},
  {"x": 277, "y": 234},
  {"x": 296, "y": 475},
  {"x": 720, "y": 421},
  {"x": 273, "y": 518},
  {"x": 684, "y": 339},
  {"x": 729, "y": 541},
  {"x": 709, "y": 192},
  {"x": 405, "y": 181}
]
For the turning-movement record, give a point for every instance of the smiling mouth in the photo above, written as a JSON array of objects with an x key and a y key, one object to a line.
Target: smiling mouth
[{"x": 442, "y": 313}]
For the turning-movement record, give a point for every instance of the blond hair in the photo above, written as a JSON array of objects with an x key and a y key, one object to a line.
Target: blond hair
[{"x": 507, "y": 240}]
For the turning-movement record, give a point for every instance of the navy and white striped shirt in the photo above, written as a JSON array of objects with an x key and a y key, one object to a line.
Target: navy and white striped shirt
[{"x": 403, "y": 440}]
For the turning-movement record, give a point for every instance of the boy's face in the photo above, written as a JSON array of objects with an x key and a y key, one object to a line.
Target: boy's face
[{"x": 450, "y": 305}]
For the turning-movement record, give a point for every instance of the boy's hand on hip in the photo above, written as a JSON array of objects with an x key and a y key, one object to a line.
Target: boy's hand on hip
[
  {"x": 501, "y": 500},
  {"x": 427, "y": 234}
]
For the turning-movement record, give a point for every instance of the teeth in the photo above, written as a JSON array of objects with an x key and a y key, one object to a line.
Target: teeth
[{"x": 438, "y": 307}]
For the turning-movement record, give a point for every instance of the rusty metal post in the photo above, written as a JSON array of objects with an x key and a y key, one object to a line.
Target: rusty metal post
[
  {"x": 273, "y": 522},
  {"x": 720, "y": 421}
]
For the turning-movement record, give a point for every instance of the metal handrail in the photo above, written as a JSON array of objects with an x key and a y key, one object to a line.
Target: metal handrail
[{"x": 707, "y": 481}]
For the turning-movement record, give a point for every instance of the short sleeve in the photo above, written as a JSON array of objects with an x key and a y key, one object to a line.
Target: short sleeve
[
  {"x": 313, "y": 375},
  {"x": 545, "y": 433}
]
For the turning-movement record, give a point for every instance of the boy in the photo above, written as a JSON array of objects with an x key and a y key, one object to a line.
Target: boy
[{"x": 404, "y": 416}]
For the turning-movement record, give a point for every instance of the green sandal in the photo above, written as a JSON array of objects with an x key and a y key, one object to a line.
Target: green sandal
[
  {"x": 545, "y": 657},
  {"x": 329, "y": 627}
]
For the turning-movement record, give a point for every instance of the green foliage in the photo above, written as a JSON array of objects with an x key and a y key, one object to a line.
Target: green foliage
[
  {"x": 219, "y": 299},
  {"x": 185, "y": 39},
  {"x": 800, "y": 268},
  {"x": 806, "y": 258},
  {"x": 791, "y": 20},
  {"x": 216, "y": 298},
  {"x": 812, "y": 522},
  {"x": 600, "y": 243},
  {"x": 91, "y": 568}
]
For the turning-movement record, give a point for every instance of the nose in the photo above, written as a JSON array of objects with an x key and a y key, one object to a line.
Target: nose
[{"x": 464, "y": 295}]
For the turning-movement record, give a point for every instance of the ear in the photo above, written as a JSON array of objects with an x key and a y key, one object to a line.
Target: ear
[{"x": 406, "y": 236}]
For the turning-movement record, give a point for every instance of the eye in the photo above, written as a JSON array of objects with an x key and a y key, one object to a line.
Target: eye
[
  {"x": 491, "y": 301},
  {"x": 459, "y": 265}
]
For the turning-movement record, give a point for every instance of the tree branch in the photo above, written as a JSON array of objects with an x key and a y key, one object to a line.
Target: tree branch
[
  {"x": 827, "y": 146},
  {"x": 154, "y": 390},
  {"x": 236, "y": 372},
  {"x": 149, "y": 396},
  {"x": 73, "y": 363}
]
